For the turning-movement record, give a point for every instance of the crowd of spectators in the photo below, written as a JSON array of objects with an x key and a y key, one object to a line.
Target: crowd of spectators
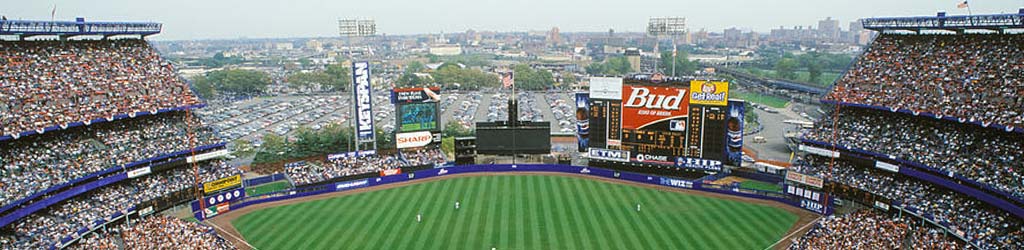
[
  {"x": 33, "y": 164},
  {"x": 48, "y": 83},
  {"x": 990, "y": 227},
  {"x": 989, "y": 156},
  {"x": 162, "y": 232},
  {"x": 40, "y": 230},
  {"x": 317, "y": 171},
  {"x": 860, "y": 230},
  {"x": 978, "y": 77},
  {"x": 425, "y": 157},
  {"x": 157, "y": 232}
]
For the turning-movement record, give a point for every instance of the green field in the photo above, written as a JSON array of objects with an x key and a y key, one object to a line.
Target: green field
[
  {"x": 760, "y": 185},
  {"x": 517, "y": 212},
  {"x": 267, "y": 188},
  {"x": 771, "y": 101}
]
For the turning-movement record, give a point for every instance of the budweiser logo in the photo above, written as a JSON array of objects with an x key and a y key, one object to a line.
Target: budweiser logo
[{"x": 642, "y": 97}]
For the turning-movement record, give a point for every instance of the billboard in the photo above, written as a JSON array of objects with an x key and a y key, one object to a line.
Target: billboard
[
  {"x": 606, "y": 88},
  {"x": 582, "y": 121},
  {"x": 223, "y": 183},
  {"x": 712, "y": 93},
  {"x": 734, "y": 133},
  {"x": 648, "y": 105},
  {"x": 609, "y": 154},
  {"x": 418, "y": 116},
  {"x": 659, "y": 123},
  {"x": 223, "y": 197},
  {"x": 414, "y": 139},
  {"x": 406, "y": 95},
  {"x": 362, "y": 94}
]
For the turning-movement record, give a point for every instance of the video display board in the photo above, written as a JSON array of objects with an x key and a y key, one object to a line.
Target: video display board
[{"x": 420, "y": 116}]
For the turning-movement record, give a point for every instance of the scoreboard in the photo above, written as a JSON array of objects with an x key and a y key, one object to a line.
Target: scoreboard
[{"x": 670, "y": 123}]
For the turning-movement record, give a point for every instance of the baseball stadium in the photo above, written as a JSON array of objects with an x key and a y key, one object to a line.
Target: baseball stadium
[{"x": 112, "y": 140}]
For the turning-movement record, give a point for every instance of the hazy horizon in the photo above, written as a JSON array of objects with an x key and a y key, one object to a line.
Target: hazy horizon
[{"x": 258, "y": 19}]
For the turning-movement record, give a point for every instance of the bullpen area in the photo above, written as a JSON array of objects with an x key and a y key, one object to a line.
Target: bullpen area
[{"x": 514, "y": 211}]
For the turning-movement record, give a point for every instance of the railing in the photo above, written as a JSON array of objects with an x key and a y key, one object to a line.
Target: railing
[
  {"x": 956, "y": 182},
  {"x": 990, "y": 125},
  {"x": 76, "y": 187},
  {"x": 98, "y": 120},
  {"x": 31, "y": 27}
]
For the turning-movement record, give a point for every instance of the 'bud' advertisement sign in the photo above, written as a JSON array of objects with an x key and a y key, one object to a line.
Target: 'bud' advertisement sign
[{"x": 644, "y": 105}]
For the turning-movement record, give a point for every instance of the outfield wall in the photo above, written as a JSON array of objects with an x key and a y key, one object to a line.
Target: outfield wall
[{"x": 809, "y": 205}]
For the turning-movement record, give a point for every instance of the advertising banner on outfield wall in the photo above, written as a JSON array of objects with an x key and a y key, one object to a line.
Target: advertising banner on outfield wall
[
  {"x": 804, "y": 179},
  {"x": 362, "y": 94},
  {"x": 390, "y": 172},
  {"x": 223, "y": 197},
  {"x": 221, "y": 184}
]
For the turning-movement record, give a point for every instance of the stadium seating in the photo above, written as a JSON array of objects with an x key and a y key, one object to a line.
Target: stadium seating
[
  {"x": 318, "y": 171},
  {"x": 40, "y": 230},
  {"x": 987, "y": 156},
  {"x": 61, "y": 84},
  {"x": 867, "y": 230},
  {"x": 976, "y": 77},
  {"x": 53, "y": 83},
  {"x": 32, "y": 164},
  {"x": 159, "y": 232},
  {"x": 989, "y": 227}
]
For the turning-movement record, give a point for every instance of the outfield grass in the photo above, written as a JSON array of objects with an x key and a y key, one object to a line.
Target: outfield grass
[
  {"x": 267, "y": 188},
  {"x": 760, "y": 185},
  {"x": 517, "y": 212},
  {"x": 771, "y": 101}
]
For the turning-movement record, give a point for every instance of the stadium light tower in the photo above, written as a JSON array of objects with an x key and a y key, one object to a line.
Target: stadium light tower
[
  {"x": 666, "y": 26},
  {"x": 347, "y": 29},
  {"x": 357, "y": 27}
]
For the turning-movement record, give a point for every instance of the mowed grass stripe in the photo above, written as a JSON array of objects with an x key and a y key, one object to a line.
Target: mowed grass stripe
[
  {"x": 585, "y": 228},
  {"x": 516, "y": 212},
  {"x": 658, "y": 203},
  {"x": 684, "y": 225},
  {"x": 305, "y": 218},
  {"x": 644, "y": 240},
  {"x": 316, "y": 213},
  {"x": 535, "y": 224},
  {"x": 519, "y": 214},
  {"x": 360, "y": 203},
  {"x": 598, "y": 229},
  {"x": 474, "y": 224},
  {"x": 599, "y": 203},
  {"x": 420, "y": 239},
  {"x": 418, "y": 202},
  {"x": 558, "y": 190}
]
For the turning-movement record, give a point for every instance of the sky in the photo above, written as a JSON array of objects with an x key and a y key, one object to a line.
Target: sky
[{"x": 229, "y": 19}]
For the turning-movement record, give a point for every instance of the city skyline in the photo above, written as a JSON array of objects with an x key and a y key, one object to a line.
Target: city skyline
[{"x": 197, "y": 20}]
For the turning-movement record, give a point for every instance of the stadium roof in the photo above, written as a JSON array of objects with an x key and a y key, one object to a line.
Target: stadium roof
[{"x": 996, "y": 22}]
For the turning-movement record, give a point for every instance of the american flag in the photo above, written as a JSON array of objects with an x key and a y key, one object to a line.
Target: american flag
[
  {"x": 962, "y": 5},
  {"x": 508, "y": 79}
]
